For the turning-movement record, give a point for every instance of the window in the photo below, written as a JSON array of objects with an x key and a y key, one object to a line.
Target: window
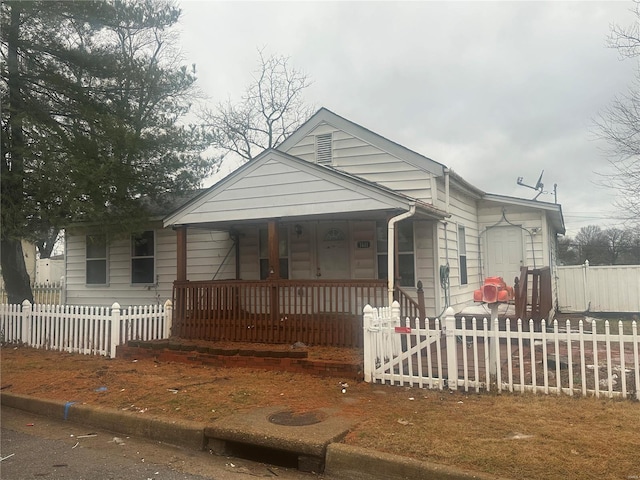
[
  {"x": 142, "y": 258},
  {"x": 405, "y": 263},
  {"x": 96, "y": 269},
  {"x": 462, "y": 252},
  {"x": 324, "y": 144},
  {"x": 283, "y": 253}
]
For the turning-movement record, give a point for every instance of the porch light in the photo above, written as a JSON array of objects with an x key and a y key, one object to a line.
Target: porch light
[{"x": 298, "y": 229}]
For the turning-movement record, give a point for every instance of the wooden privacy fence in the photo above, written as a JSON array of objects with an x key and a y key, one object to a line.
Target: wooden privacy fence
[
  {"x": 274, "y": 311},
  {"x": 486, "y": 355},
  {"x": 83, "y": 329},
  {"x": 43, "y": 293}
]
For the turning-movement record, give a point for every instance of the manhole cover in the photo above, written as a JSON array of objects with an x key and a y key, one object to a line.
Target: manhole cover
[{"x": 293, "y": 419}]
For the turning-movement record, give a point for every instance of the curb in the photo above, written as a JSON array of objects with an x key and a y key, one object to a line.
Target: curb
[
  {"x": 179, "y": 433},
  {"x": 356, "y": 463},
  {"x": 342, "y": 461}
]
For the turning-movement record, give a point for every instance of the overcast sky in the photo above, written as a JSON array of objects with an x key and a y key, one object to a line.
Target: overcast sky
[{"x": 493, "y": 90}]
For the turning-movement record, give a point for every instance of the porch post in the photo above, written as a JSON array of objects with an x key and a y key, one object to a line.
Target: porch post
[
  {"x": 274, "y": 267},
  {"x": 274, "y": 249},
  {"x": 181, "y": 247}
]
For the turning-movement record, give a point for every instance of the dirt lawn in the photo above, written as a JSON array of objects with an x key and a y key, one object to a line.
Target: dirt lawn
[{"x": 511, "y": 435}]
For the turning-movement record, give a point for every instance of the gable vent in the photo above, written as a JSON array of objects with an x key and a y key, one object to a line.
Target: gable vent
[{"x": 324, "y": 148}]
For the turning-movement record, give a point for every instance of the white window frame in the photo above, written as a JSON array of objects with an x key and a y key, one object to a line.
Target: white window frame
[
  {"x": 382, "y": 253},
  {"x": 104, "y": 259},
  {"x": 142, "y": 257},
  {"x": 462, "y": 254}
]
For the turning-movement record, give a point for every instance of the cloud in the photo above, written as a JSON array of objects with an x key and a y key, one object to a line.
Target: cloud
[{"x": 494, "y": 90}]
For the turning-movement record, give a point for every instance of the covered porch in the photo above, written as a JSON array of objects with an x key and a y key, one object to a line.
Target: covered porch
[
  {"x": 279, "y": 305},
  {"x": 309, "y": 247}
]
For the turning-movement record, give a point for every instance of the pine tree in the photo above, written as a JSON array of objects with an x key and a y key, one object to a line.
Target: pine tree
[{"x": 93, "y": 95}]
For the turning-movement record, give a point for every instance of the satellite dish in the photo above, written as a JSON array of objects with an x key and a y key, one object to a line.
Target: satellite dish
[{"x": 539, "y": 186}]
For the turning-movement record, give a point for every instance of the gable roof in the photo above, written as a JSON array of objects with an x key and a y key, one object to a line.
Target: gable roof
[
  {"x": 553, "y": 210},
  {"x": 278, "y": 185},
  {"x": 327, "y": 116}
]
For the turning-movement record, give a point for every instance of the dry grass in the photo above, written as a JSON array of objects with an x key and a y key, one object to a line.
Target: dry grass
[{"x": 517, "y": 436}]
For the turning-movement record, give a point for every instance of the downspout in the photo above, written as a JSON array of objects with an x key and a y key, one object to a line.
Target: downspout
[
  {"x": 391, "y": 248},
  {"x": 445, "y": 224},
  {"x": 446, "y": 209},
  {"x": 446, "y": 190}
]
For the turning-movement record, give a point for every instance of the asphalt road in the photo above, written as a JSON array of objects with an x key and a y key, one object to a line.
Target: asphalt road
[{"x": 37, "y": 447}]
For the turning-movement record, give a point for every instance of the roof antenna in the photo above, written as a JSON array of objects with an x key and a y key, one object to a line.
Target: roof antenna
[{"x": 539, "y": 187}]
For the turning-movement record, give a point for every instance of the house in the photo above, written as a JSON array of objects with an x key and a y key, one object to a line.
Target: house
[{"x": 306, "y": 234}]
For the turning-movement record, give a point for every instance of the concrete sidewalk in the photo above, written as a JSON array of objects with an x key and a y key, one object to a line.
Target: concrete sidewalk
[{"x": 315, "y": 442}]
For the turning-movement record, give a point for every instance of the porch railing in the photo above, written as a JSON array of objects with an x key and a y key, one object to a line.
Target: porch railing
[
  {"x": 275, "y": 311},
  {"x": 408, "y": 306}
]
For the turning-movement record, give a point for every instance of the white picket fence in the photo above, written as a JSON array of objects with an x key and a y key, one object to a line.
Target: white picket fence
[
  {"x": 43, "y": 293},
  {"x": 83, "y": 329},
  {"x": 491, "y": 354}
]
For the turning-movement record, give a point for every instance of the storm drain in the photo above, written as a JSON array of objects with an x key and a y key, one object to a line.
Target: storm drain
[
  {"x": 278, "y": 436},
  {"x": 257, "y": 453}
]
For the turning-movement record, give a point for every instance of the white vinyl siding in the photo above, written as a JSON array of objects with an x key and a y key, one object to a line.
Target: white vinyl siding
[
  {"x": 533, "y": 225},
  {"x": 301, "y": 251},
  {"x": 249, "y": 254},
  {"x": 425, "y": 264},
  {"x": 357, "y": 157},
  {"x": 292, "y": 189},
  {"x": 206, "y": 250},
  {"x": 463, "y": 209}
]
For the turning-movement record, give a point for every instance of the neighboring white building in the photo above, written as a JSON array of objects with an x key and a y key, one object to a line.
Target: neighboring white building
[{"x": 49, "y": 270}]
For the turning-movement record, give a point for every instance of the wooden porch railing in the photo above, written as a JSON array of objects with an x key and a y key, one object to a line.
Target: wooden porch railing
[
  {"x": 408, "y": 306},
  {"x": 275, "y": 311}
]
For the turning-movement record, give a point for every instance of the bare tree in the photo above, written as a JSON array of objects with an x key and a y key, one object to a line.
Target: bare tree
[
  {"x": 619, "y": 125},
  {"x": 593, "y": 245},
  {"x": 612, "y": 246},
  {"x": 269, "y": 111},
  {"x": 617, "y": 240}
]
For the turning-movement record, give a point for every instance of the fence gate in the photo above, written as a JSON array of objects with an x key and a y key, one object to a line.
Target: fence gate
[
  {"x": 401, "y": 353},
  {"x": 502, "y": 354}
]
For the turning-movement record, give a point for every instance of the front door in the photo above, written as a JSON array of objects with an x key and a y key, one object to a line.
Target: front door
[
  {"x": 333, "y": 251},
  {"x": 505, "y": 254}
]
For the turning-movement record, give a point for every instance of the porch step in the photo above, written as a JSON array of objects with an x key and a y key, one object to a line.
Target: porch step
[
  {"x": 186, "y": 346},
  {"x": 279, "y": 357}
]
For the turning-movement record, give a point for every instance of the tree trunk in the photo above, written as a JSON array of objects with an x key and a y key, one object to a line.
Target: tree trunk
[
  {"x": 46, "y": 243},
  {"x": 14, "y": 272}
]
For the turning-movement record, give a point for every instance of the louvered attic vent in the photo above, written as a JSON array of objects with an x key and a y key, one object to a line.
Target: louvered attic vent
[{"x": 323, "y": 148}]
